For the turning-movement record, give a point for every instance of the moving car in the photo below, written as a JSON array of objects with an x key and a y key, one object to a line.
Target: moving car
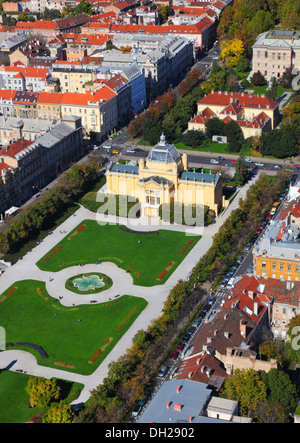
[
  {"x": 277, "y": 167},
  {"x": 115, "y": 151},
  {"x": 213, "y": 160},
  {"x": 259, "y": 164},
  {"x": 248, "y": 160}
]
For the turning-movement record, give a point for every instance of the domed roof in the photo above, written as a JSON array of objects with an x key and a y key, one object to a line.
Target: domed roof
[{"x": 163, "y": 152}]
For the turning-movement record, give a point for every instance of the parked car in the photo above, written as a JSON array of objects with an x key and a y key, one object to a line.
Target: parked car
[
  {"x": 248, "y": 160},
  {"x": 270, "y": 216},
  {"x": 221, "y": 158},
  {"x": 186, "y": 338},
  {"x": 163, "y": 371},
  {"x": 233, "y": 162},
  {"x": 174, "y": 355},
  {"x": 130, "y": 151},
  {"x": 258, "y": 231},
  {"x": 297, "y": 166},
  {"x": 180, "y": 347},
  {"x": 211, "y": 300},
  {"x": 115, "y": 151},
  {"x": 213, "y": 160},
  {"x": 136, "y": 411}
]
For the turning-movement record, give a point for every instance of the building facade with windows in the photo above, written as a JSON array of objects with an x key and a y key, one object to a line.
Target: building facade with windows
[
  {"x": 164, "y": 178},
  {"x": 274, "y": 51}
]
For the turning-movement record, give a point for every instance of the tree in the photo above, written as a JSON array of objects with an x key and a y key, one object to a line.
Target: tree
[
  {"x": 58, "y": 413},
  {"x": 280, "y": 389},
  {"x": 289, "y": 14},
  {"x": 84, "y": 7},
  {"x": 246, "y": 387},
  {"x": 242, "y": 172},
  {"x": 214, "y": 126},
  {"x": 42, "y": 391},
  {"x": 234, "y": 136},
  {"x": 193, "y": 138},
  {"x": 272, "y": 90},
  {"x": 258, "y": 79},
  {"x": 287, "y": 77},
  {"x": 231, "y": 51}
]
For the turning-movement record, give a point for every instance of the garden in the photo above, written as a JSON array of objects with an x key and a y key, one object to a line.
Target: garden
[
  {"x": 145, "y": 255},
  {"x": 76, "y": 338}
]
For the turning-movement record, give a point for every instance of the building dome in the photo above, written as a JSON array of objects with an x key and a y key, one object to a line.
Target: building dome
[{"x": 163, "y": 152}]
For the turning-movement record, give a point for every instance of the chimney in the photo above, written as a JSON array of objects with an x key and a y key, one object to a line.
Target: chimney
[
  {"x": 243, "y": 328},
  {"x": 178, "y": 388},
  {"x": 168, "y": 404},
  {"x": 177, "y": 407}
]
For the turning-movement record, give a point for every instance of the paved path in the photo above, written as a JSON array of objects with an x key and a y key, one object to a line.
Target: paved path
[{"x": 122, "y": 284}]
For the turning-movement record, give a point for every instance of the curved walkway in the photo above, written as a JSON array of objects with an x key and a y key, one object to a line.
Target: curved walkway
[{"x": 122, "y": 284}]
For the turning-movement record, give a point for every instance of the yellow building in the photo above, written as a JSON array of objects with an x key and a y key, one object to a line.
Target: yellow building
[
  {"x": 164, "y": 178},
  {"x": 255, "y": 114}
]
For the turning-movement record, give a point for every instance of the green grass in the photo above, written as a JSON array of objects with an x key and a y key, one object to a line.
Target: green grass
[
  {"x": 14, "y": 400},
  {"x": 145, "y": 260},
  {"x": 29, "y": 314}
]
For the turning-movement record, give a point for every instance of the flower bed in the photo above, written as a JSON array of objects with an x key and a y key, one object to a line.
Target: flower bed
[
  {"x": 128, "y": 316},
  {"x": 52, "y": 253},
  {"x": 100, "y": 350},
  {"x": 182, "y": 250},
  {"x": 164, "y": 272},
  {"x": 76, "y": 232}
]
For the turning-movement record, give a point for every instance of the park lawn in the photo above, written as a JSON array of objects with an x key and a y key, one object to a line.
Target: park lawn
[
  {"x": 14, "y": 400},
  {"x": 29, "y": 314},
  {"x": 144, "y": 255}
]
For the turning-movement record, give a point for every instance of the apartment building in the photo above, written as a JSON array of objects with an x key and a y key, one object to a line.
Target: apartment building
[
  {"x": 274, "y": 51},
  {"x": 25, "y": 104},
  {"x": 79, "y": 45},
  {"x": 6, "y": 102},
  {"x": 98, "y": 110},
  {"x": 163, "y": 66},
  {"x": 49, "y": 105},
  {"x": 254, "y": 114},
  {"x": 277, "y": 253},
  {"x": 74, "y": 77},
  {"x": 23, "y": 78},
  {"x": 48, "y": 29},
  {"x": 15, "y": 128},
  {"x": 26, "y": 165}
]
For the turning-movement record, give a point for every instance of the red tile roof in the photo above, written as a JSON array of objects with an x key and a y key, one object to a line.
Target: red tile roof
[
  {"x": 7, "y": 94},
  {"x": 246, "y": 100},
  {"x": 15, "y": 148}
]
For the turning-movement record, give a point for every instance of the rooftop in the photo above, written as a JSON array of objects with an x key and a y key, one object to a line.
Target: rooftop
[
  {"x": 178, "y": 402},
  {"x": 163, "y": 152}
]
